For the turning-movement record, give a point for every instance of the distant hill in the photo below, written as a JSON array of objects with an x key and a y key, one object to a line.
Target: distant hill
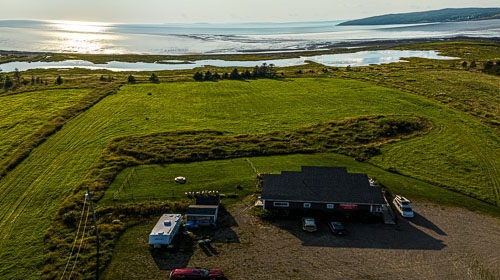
[{"x": 444, "y": 15}]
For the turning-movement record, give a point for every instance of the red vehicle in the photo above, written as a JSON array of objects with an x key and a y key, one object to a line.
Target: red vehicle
[{"x": 198, "y": 273}]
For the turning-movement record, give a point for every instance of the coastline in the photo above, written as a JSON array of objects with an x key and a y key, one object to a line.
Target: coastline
[{"x": 343, "y": 47}]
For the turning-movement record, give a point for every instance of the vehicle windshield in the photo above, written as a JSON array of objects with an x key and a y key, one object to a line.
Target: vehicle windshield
[
  {"x": 405, "y": 203},
  {"x": 204, "y": 272},
  {"x": 407, "y": 209},
  {"x": 338, "y": 226}
]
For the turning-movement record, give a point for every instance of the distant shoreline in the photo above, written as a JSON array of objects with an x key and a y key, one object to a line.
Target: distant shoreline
[{"x": 249, "y": 55}]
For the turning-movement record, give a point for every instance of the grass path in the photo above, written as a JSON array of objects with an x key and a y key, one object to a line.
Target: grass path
[{"x": 34, "y": 190}]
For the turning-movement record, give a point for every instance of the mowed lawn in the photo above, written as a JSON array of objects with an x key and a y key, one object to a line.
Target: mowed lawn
[
  {"x": 237, "y": 178},
  {"x": 22, "y": 114},
  {"x": 34, "y": 190}
]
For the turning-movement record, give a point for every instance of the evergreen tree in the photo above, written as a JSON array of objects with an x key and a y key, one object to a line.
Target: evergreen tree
[
  {"x": 488, "y": 65},
  {"x": 154, "y": 78},
  {"x": 8, "y": 83},
  {"x": 17, "y": 75},
  {"x": 32, "y": 80},
  {"x": 59, "y": 80},
  {"x": 464, "y": 64},
  {"x": 198, "y": 76},
  {"x": 208, "y": 76},
  {"x": 216, "y": 76},
  {"x": 234, "y": 75},
  {"x": 473, "y": 64},
  {"x": 255, "y": 72},
  {"x": 225, "y": 75},
  {"x": 102, "y": 79},
  {"x": 247, "y": 75},
  {"x": 131, "y": 79}
]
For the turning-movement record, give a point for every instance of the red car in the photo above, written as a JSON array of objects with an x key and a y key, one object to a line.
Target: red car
[{"x": 198, "y": 273}]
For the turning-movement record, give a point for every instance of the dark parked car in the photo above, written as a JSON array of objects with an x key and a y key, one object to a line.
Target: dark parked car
[
  {"x": 337, "y": 228},
  {"x": 198, "y": 273}
]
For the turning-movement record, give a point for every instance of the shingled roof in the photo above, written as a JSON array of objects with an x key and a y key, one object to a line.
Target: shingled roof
[
  {"x": 202, "y": 210},
  {"x": 321, "y": 184}
]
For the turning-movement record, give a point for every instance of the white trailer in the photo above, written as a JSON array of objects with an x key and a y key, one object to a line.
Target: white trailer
[{"x": 165, "y": 230}]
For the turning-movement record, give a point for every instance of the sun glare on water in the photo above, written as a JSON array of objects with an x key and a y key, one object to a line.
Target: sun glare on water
[
  {"x": 80, "y": 26},
  {"x": 82, "y": 37}
]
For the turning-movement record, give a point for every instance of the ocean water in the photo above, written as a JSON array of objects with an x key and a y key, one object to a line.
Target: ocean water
[{"x": 176, "y": 39}]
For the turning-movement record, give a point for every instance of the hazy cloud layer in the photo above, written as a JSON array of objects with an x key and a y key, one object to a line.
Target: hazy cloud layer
[{"x": 171, "y": 11}]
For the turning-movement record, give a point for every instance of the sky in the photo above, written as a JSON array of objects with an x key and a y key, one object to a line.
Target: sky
[{"x": 219, "y": 11}]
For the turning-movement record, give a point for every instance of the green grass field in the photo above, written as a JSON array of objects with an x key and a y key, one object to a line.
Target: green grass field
[
  {"x": 156, "y": 182},
  {"x": 22, "y": 114},
  {"x": 460, "y": 153}
]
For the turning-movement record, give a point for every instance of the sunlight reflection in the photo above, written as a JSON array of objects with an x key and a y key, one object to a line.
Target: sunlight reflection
[{"x": 80, "y": 26}]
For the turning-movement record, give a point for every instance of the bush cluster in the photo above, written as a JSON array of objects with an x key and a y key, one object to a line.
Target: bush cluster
[
  {"x": 264, "y": 71},
  {"x": 492, "y": 68}
]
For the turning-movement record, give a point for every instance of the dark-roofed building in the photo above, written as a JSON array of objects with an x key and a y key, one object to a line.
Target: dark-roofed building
[
  {"x": 321, "y": 188},
  {"x": 205, "y": 211},
  {"x": 208, "y": 200}
]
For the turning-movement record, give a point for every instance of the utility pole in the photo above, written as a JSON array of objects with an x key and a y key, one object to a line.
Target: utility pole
[{"x": 88, "y": 196}]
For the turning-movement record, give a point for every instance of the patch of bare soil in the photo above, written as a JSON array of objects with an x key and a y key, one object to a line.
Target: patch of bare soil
[{"x": 438, "y": 243}]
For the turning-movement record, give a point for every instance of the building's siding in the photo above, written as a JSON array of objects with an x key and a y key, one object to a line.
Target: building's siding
[{"x": 269, "y": 204}]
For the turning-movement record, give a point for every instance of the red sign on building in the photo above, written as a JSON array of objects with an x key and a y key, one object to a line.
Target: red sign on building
[{"x": 348, "y": 206}]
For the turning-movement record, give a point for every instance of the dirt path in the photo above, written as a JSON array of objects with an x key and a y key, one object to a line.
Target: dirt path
[{"x": 437, "y": 244}]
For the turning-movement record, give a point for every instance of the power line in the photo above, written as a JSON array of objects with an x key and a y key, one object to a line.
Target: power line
[
  {"x": 76, "y": 237},
  {"x": 81, "y": 242},
  {"x": 89, "y": 196}
]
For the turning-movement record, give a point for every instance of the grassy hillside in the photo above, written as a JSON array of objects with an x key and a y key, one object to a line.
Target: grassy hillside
[
  {"x": 22, "y": 114},
  {"x": 52, "y": 170},
  {"x": 444, "y": 15}
]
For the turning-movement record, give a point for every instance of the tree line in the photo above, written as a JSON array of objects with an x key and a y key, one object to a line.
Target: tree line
[
  {"x": 489, "y": 67},
  {"x": 265, "y": 71},
  {"x": 17, "y": 80}
]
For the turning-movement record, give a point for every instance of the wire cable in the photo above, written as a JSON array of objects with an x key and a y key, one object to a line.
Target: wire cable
[
  {"x": 81, "y": 242},
  {"x": 76, "y": 238}
]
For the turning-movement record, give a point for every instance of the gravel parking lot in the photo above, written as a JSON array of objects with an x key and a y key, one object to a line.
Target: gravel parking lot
[{"x": 438, "y": 243}]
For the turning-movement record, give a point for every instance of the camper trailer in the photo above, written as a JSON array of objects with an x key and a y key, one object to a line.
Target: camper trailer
[{"x": 165, "y": 230}]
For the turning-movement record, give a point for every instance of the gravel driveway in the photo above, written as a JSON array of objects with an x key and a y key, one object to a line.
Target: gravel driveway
[{"x": 438, "y": 243}]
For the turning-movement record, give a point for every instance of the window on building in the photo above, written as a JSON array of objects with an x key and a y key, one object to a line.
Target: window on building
[
  {"x": 280, "y": 204},
  {"x": 329, "y": 206},
  {"x": 307, "y": 205}
]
